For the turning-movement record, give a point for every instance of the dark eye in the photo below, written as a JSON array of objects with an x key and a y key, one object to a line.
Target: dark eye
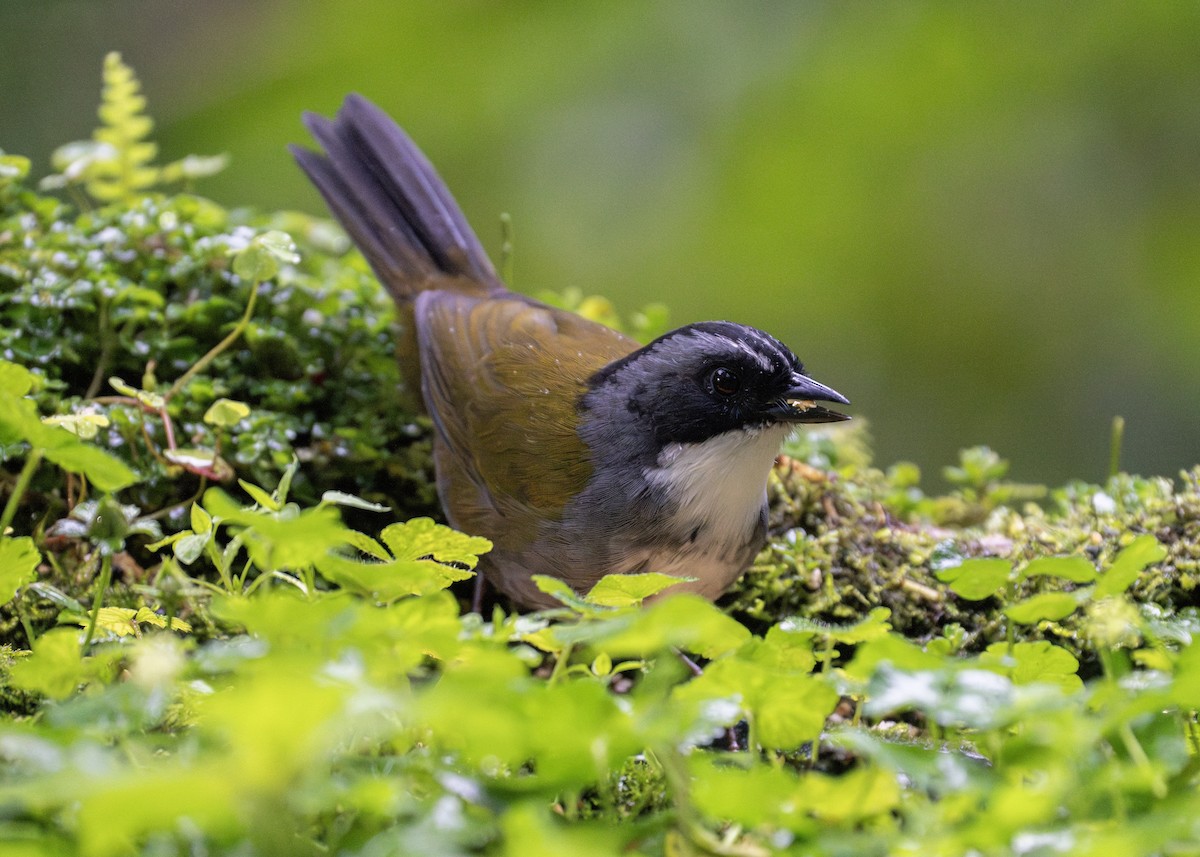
[{"x": 724, "y": 381}]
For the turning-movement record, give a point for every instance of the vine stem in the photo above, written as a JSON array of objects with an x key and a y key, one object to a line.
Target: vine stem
[
  {"x": 23, "y": 480},
  {"x": 98, "y": 601},
  {"x": 216, "y": 350}
]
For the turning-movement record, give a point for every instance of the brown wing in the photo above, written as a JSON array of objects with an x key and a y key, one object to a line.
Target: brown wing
[{"x": 501, "y": 377}]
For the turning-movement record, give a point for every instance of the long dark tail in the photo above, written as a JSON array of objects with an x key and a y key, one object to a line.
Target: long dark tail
[{"x": 392, "y": 202}]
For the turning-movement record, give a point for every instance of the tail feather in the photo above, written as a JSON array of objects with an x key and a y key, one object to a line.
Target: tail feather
[{"x": 392, "y": 202}]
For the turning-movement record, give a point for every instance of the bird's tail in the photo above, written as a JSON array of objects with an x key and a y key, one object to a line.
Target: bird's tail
[{"x": 393, "y": 204}]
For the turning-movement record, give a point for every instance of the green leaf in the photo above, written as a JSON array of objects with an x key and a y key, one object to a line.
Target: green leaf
[
  {"x": 977, "y": 579},
  {"x": 602, "y": 665},
  {"x": 105, "y": 471},
  {"x": 15, "y": 379},
  {"x": 872, "y": 626},
  {"x": 150, "y": 399},
  {"x": 750, "y": 796},
  {"x": 366, "y": 544},
  {"x": 1030, "y": 662},
  {"x": 893, "y": 650},
  {"x": 951, "y": 696},
  {"x": 55, "y": 668},
  {"x": 420, "y": 550},
  {"x": 56, "y": 596},
  {"x": 541, "y": 833},
  {"x": 391, "y": 580},
  {"x": 782, "y": 651},
  {"x": 1128, "y": 565},
  {"x": 340, "y": 498},
  {"x": 190, "y": 547},
  {"x": 787, "y": 708},
  {"x": 280, "y": 245},
  {"x": 260, "y": 496},
  {"x": 559, "y": 590},
  {"x": 127, "y": 622},
  {"x": 792, "y": 711},
  {"x": 19, "y": 422},
  {"x": 1051, "y": 606},
  {"x": 19, "y": 560},
  {"x": 1185, "y": 686},
  {"x": 850, "y": 798},
  {"x": 201, "y": 521},
  {"x": 260, "y": 259},
  {"x": 683, "y": 621},
  {"x": 1076, "y": 569},
  {"x": 84, "y": 426},
  {"x": 275, "y": 541},
  {"x": 629, "y": 590},
  {"x": 226, "y": 413},
  {"x": 776, "y": 796},
  {"x": 421, "y": 537},
  {"x": 136, "y": 804}
]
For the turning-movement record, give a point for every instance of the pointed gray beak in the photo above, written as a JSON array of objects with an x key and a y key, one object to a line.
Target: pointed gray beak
[{"x": 799, "y": 403}]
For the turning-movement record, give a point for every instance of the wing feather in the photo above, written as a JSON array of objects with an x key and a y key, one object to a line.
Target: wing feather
[{"x": 502, "y": 378}]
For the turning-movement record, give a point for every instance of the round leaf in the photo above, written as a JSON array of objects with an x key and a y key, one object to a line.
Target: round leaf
[
  {"x": 977, "y": 579},
  {"x": 226, "y": 413},
  {"x": 1051, "y": 605},
  {"x": 1077, "y": 569}
]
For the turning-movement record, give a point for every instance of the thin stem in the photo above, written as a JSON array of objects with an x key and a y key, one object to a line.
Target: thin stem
[
  {"x": 168, "y": 427},
  {"x": 560, "y": 664},
  {"x": 25, "y": 623},
  {"x": 1138, "y": 754},
  {"x": 1114, "y": 448},
  {"x": 107, "y": 342},
  {"x": 507, "y": 238},
  {"x": 98, "y": 600},
  {"x": 201, "y": 364},
  {"x": 23, "y": 480}
]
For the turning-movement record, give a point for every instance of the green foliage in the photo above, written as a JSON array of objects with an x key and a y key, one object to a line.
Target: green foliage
[
  {"x": 898, "y": 674},
  {"x": 644, "y": 325},
  {"x": 147, "y": 290}
]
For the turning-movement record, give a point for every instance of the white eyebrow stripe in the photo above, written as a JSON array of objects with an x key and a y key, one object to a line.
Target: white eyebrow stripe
[
  {"x": 763, "y": 362},
  {"x": 719, "y": 341}
]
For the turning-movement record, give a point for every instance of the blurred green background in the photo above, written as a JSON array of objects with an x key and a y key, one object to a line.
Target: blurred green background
[{"x": 979, "y": 221}]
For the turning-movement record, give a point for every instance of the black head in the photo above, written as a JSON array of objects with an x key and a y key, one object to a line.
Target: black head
[{"x": 706, "y": 379}]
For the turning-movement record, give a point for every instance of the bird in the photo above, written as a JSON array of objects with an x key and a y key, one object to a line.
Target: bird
[{"x": 576, "y": 450}]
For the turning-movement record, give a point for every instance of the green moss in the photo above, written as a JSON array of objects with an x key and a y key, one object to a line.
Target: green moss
[{"x": 851, "y": 538}]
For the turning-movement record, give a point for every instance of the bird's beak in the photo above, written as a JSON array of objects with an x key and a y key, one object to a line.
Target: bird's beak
[{"x": 799, "y": 403}]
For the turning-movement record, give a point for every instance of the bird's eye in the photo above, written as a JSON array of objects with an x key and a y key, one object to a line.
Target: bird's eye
[{"x": 724, "y": 381}]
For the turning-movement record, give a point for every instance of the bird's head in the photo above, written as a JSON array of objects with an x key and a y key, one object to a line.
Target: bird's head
[{"x": 708, "y": 379}]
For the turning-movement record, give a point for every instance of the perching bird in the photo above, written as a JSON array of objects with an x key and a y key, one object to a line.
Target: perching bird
[{"x": 578, "y": 452}]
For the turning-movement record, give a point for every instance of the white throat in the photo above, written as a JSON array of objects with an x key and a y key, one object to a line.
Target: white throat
[{"x": 719, "y": 483}]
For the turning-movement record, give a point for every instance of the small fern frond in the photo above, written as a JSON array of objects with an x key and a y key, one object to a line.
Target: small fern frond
[
  {"x": 117, "y": 164},
  {"x": 124, "y": 127}
]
